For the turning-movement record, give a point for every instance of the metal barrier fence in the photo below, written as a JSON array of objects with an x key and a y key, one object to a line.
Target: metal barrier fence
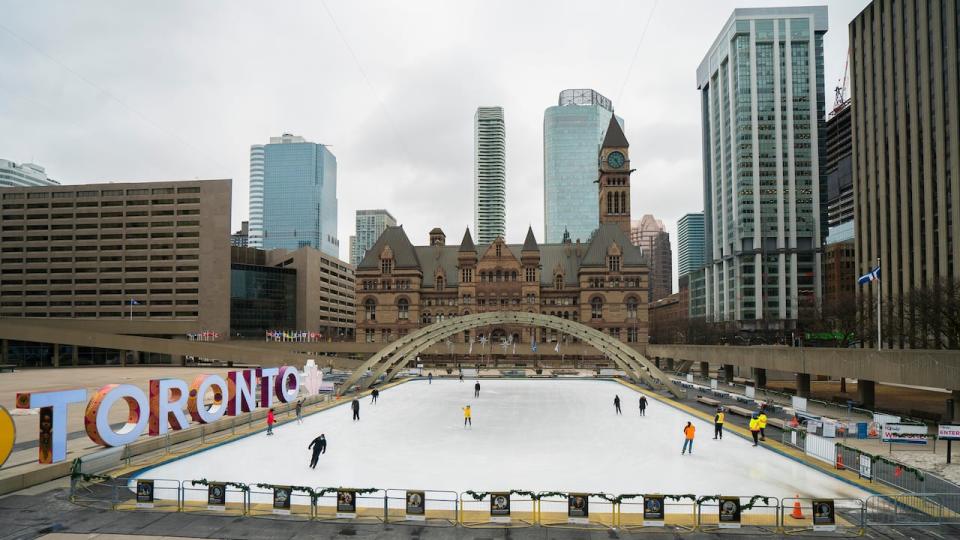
[{"x": 651, "y": 513}]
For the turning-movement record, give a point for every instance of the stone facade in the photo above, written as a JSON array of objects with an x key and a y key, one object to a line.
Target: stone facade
[{"x": 603, "y": 283}]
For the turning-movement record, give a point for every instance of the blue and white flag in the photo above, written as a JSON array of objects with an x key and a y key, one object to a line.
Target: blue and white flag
[
  {"x": 471, "y": 347},
  {"x": 869, "y": 276},
  {"x": 557, "y": 348},
  {"x": 134, "y": 302},
  {"x": 533, "y": 344}
]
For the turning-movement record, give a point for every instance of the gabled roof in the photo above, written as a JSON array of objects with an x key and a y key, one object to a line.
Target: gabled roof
[
  {"x": 530, "y": 243},
  {"x": 404, "y": 256},
  {"x": 614, "y": 137},
  {"x": 603, "y": 237},
  {"x": 467, "y": 243}
]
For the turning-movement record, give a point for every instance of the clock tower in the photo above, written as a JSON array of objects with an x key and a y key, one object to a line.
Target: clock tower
[{"x": 614, "y": 180}]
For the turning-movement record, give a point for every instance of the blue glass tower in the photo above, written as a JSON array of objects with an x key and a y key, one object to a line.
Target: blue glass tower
[
  {"x": 299, "y": 195},
  {"x": 572, "y": 133}
]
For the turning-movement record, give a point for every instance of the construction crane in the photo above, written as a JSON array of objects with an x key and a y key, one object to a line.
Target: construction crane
[{"x": 840, "y": 100}]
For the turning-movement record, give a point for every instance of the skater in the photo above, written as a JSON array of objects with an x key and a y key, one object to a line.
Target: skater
[
  {"x": 762, "y": 424},
  {"x": 688, "y": 433},
  {"x": 755, "y": 429},
  {"x": 299, "y": 411},
  {"x": 718, "y": 424},
  {"x": 643, "y": 405},
  {"x": 355, "y": 405},
  {"x": 466, "y": 417},
  {"x": 616, "y": 403},
  {"x": 319, "y": 446},
  {"x": 430, "y": 378},
  {"x": 461, "y": 375},
  {"x": 270, "y": 421},
  {"x": 476, "y": 390},
  {"x": 374, "y": 395}
]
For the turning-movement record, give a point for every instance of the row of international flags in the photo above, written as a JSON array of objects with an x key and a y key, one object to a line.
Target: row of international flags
[
  {"x": 204, "y": 336},
  {"x": 294, "y": 336}
]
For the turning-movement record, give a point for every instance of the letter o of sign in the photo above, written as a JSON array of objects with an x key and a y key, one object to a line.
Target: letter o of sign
[
  {"x": 97, "y": 418},
  {"x": 198, "y": 389},
  {"x": 287, "y": 384}
]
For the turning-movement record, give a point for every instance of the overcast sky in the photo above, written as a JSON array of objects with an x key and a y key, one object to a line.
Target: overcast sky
[{"x": 114, "y": 90}]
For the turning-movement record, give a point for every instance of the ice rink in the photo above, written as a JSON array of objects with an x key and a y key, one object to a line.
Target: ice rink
[{"x": 554, "y": 435}]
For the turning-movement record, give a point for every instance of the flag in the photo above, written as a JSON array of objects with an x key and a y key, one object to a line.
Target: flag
[
  {"x": 514, "y": 348},
  {"x": 557, "y": 348},
  {"x": 869, "y": 276},
  {"x": 471, "y": 347},
  {"x": 533, "y": 344},
  {"x": 134, "y": 302}
]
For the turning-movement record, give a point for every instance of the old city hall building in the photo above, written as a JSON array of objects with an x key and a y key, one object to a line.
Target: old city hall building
[{"x": 601, "y": 283}]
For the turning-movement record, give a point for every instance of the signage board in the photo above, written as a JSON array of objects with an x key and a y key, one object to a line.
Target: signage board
[
  {"x": 750, "y": 392},
  {"x": 346, "y": 503},
  {"x": 798, "y": 403},
  {"x": 904, "y": 433},
  {"x": 281, "y": 500},
  {"x": 824, "y": 515},
  {"x": 144, "y": 493},
  {"x": 653, "y": 510},
  {"x": 500, "y": 507},
  {"x": 866, "y": 466},
  {"x": 578, "y": 508},
  {"x": 948, "y": 432},
  {"x": 416, "y": 506},
  {"x": 729, "y": 513},
  {"x": 216, "y": 496}
]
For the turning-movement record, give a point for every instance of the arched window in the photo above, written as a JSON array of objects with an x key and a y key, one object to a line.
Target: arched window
[
  {"x": 631, "y": 308},
  {"x": 609, "y": 202},
  {"x": 499, "y": 275},
  {"x": 623, "y": 202},
  {"x": 513, "y": 275},
  {"x": 558, "y": 281},
  {"x": 370, "y": 306},
  {"x": 403, "y": 309},
  {"x": 596, "y": 308},
  {"x": 439, "y": 283}
]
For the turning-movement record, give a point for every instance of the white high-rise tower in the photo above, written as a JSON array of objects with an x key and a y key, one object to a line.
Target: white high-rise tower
[{"x": 490, "y": 174}]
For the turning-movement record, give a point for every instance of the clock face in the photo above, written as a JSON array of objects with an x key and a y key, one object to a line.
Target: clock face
[{"x": 615, "y": 160}]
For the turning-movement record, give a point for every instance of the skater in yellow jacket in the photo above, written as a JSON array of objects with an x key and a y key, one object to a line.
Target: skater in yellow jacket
[
  {"x": 762, "y": 424},
  {"x": 466, "y": 417},
  {"x": 755, "y": 429}
]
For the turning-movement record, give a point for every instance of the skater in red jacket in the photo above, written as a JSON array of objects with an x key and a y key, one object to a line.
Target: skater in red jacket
[{"x": 270, "y": 420}]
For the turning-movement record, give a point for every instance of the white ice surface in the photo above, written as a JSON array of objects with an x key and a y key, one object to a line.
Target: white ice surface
[{"x": 556, "y": 435}]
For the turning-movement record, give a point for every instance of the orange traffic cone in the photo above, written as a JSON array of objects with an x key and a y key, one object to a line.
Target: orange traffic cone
[
  {"x": 797, "y": 512},
  {"x": 794, "y": 422},
  {"x": 839, "y": 460}
]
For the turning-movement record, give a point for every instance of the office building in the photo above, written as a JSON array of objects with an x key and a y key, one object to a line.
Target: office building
[
  {"x": 490, "y": 174},
  {"x": 762, "y": 102},
  {"x": 572, "y": 133},
  {"x": 23, "y": 175},
  {"x": 241, "y": 238},
  {"x": 838, "y": 167},
  {"x": 262, "y": 298},
  {"x": 256, "y": 196},
  {"x": 650, "y": 235},
  {"x": 689, "y": 243},
  {"x": 906, "y": 163},
  {"x": 135, "y": 258},
  {"x": 299, "y": 195},
  {"x": 369, "y": 225}
]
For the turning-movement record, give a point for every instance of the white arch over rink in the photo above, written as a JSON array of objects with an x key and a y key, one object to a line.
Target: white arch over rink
[{"x": 394, "y": 356}]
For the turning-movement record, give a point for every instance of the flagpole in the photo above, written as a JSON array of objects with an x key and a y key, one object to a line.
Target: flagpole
[{"x": 879, "y": 309}]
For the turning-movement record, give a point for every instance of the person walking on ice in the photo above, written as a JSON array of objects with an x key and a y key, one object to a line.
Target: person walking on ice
[
  {"x": 762, "y": 424},
  {"x": 688, "y": 433},
  {"x": 374, "y": 396},
  {"x": 300, "y": 412},
  {"x": 755, "y": 429},
  {"x": 270, "y": 420},
  {"x": 355, "y": 405},
  {"x": 461, "y": 375},
  {"x": 476, "y": 390},
  {"x": 616, "y": 403},
  {"x": 466, "y": 417},
  {"x": 718, "y": 424},
  {"x": 643, "y": 405},
  {"x": 319, "y": 446},
  {"x": 430, "y": 378}
]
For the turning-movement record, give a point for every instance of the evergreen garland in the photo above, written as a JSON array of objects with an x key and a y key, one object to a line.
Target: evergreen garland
[
  {"x": 76, "y": 474},
  {"x": 239, "y": 485},
  {"x": 874, "y": 458}
]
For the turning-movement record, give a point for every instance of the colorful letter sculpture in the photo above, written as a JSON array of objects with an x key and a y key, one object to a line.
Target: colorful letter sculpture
[
  {"x": 97, "y": 418},
  {"x": 198, "y": 390},
  {"x": 53, "y": 419},
  {"x": 167, "y": 400}
]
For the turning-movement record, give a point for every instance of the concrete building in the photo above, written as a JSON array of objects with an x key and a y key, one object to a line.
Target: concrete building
[
  {"x": 23, "y": 175},
  {"x": 669, "y": 316},
  {"x": 241, "y": 238},
  {"x": 370, "y": 224},
  {"x": 490, "y": 174},
  {"x": 572, "y": 133},
  {"x": 304, "y": 290},
  {"x": 299, "y": 195},
  {"x": 689, "y": 243},
  {"x": 839, "y": 262},
  {"x": 256, "y": 196},
  {"x": 650, "y": 235},
  {"x": 144, "y": 258},
  {"x": 906, "y": 162},
  {"x": 762, "y": 101}
]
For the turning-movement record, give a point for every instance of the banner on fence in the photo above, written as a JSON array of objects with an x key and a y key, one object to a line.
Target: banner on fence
[
  {"x": 144, "y": 493},
  {"x": 829, "y": 429},
  {"x": 881, "y": 418},
  {"x": 798, "y": 403},
  {"x": 689, "y": 377},
  {"x": 750, "y": 392},
  {"x": 281, "y": 500},
  {"x": 578, "y": 508},
  {"x": 500, "y": 507},
  {"x": 416, "y": 506},
  {"x": 729, "y": 512},
  {"x": 866, "y": 466},
  {"x": 346, "y": 503},
  {"x": 824, "y": 515},
  {"x": 904, "y": 433},
  {"x": 653, "y": 511},
  {"x": 713, "y": 384},
  {"x": 948, "y": 432},
  {"x": 217, "y": 496}
]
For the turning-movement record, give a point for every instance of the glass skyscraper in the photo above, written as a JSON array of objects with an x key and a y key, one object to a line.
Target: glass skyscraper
[
  {"x": 370, "y": 224},
  {"x": 689, "y": 243},
  {"x": 299, "y": 195},
  {"x": 490, "y": 174},
  {"x": 572, "y": 132},
  {"x": 762, "y": 103}
]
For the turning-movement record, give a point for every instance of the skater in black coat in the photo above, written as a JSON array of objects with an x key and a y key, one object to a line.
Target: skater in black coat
[
  {"x": 476, "y": 390},
  {"x": 319, "y": 446},
  {"x": 374, "y": 395},
  {"x": 616, "y": 403},
  {"x": 355, "y": 405},
  {"x": 643, "y": 405}
]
